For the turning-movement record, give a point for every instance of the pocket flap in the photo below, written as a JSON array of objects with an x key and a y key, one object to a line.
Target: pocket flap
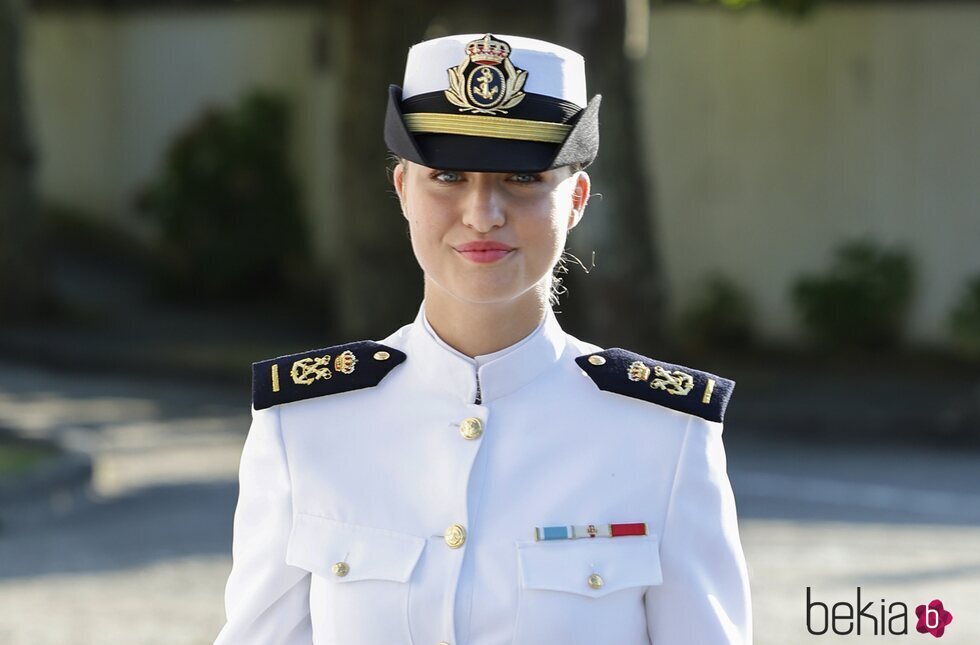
[
  {"x": 620, "y": 563},
  {"x": 317, "y": 544}
]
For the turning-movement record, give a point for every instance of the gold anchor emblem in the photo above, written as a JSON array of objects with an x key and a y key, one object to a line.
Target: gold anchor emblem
[
  {"x": 675, "y": 382},
  {"x": 484, "y": 90},
  {"x": 307, "y": 370}
]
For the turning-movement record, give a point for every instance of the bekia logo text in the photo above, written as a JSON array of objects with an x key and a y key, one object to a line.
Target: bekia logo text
[{"x": 873, "y": 618}]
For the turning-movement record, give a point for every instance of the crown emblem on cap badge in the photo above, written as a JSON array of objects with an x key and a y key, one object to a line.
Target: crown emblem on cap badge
[{"x": 486, "y": 82}]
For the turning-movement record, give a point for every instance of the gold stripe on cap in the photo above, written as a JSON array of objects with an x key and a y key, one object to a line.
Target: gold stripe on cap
[{"x": 487, "y": 126}]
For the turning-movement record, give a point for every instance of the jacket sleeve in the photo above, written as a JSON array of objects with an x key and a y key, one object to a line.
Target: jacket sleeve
[
  {"x": 266, "y": 601},
  {"x": 704, "y": 597}
]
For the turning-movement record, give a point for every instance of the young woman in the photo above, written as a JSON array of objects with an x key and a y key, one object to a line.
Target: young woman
[{"x": 481, "y": 477}]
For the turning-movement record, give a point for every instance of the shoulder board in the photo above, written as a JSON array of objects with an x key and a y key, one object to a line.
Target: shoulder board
[
  {"x": 673, "y": 386},
  {"x": 319, "y": 372}
]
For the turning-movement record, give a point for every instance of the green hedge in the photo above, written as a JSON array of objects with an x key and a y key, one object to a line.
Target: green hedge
[
  {"x": 227, "y": 205},
  {"x": 861, "y": 300}
]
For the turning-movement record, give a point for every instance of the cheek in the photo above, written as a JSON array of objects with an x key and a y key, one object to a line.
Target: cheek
[
  {"x": 427, "y": 225},
  {"x": 543, "y": 229},
  {"x": 559, "y": 208},
  {"x": 421, "y": 234},
  {"x": 426, "y": 229},
  {"x": 559, "y": 236}
]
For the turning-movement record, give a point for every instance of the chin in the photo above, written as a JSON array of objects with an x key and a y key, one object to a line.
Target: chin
[
  {"x": 486, "y": 297},
  {"x": 494, "y": 294},
  {"x": 490, "y": 288}
]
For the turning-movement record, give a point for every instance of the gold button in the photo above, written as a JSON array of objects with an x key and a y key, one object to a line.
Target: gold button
[
  {"x": 381, "y": 356},
  {"x": 455, "y": 536},
  {"x": 595, "y": 359},
  {"x": 595, "y": 581},
  {"x": 340, "y": 569},
  {"x": 471, "y": 428}
]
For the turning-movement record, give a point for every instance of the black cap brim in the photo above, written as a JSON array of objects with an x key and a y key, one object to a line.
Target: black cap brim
[{"x": 487, "y": 154}]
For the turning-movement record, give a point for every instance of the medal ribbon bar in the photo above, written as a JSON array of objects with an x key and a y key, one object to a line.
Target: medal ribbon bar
[{"x": 589, "y": 531}]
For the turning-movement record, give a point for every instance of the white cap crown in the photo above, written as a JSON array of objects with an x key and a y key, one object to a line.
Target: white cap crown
[{"x": 552, "y": 70}]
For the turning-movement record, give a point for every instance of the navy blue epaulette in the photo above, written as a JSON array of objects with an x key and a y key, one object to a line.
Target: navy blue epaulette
[
  {"x": 673, "y": 386},
  {"x": 320, "y": 372}
]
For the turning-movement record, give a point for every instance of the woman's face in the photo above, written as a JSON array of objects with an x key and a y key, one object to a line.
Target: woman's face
[{"x": 486, "y": 237}]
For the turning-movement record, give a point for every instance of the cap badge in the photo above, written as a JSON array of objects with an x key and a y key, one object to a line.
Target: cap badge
[{"x": 486, "y": 82}]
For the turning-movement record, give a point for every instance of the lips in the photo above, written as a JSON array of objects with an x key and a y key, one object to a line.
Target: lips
[{"x": 483, "y": 252}]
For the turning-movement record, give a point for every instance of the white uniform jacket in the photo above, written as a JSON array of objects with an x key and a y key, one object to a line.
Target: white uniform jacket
[{"x": 376, "y": 517}]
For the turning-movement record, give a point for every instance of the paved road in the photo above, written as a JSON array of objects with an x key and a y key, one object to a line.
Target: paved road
[
  {"x": 144, "y": 559},
  {"x": 901, "y": 524}
]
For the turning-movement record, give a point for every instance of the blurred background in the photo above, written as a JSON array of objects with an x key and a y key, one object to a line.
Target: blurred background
[{"x": 788, "y": 194}]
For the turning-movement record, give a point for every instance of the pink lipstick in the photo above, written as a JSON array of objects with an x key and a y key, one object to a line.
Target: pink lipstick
[{"x": 484, "y": 252}]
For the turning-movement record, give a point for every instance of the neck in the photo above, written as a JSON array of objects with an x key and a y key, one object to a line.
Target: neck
[{"x": 482, "y": 328}]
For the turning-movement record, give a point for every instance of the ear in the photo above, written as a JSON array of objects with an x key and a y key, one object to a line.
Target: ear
[
  {"x": 398, "y": 181},
  {"x": 580, "y": 197}
]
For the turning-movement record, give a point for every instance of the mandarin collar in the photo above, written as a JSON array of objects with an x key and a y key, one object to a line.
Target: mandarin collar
[{"x": 450, "y": 371}]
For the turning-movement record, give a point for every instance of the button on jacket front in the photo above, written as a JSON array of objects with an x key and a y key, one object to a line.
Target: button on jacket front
[{"x": 406, "y": 512}]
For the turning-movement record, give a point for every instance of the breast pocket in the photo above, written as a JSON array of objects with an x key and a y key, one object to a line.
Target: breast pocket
[
  {"x": 585, "y": 591},
  {"x": 360, "y": 582}
]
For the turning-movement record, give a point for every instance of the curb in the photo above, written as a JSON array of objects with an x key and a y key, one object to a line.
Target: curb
[
  {"x": 71, "y": 358},
  {"x": 67, "y": 474}
]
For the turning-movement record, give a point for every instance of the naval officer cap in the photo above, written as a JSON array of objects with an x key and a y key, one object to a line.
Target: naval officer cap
[{"x": 485, "y": 103}]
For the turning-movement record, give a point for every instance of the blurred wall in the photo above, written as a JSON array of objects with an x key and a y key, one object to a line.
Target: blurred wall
[
  {"x": 110, "y": 89},
  {"x": 773, "y": 140}
]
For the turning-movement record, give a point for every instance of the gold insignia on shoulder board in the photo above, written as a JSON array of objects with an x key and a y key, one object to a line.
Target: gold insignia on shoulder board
[
  {"x": 676, "y": 382},
  {"x": 637, "y": 371},
  {"x": 345, "y": 362},
  {"x": 486, "y": 82},
  {"x": 307, "y": 370},
  {"x": 708, "y": 389}
]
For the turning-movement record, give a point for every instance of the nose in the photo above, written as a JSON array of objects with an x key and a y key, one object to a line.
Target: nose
[{"x": 483, "y": 208}]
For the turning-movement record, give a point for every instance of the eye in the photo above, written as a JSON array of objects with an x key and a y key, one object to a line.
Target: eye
[
  {"x": 524, "y": 178},
  {"x": 447, "y": 176}
]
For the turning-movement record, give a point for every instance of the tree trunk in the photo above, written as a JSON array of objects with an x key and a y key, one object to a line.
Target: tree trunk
[
  {"x": 22, "y": 275},
  {"x": 621, "y": 301},
  {"x": 381, "y": 285}
]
